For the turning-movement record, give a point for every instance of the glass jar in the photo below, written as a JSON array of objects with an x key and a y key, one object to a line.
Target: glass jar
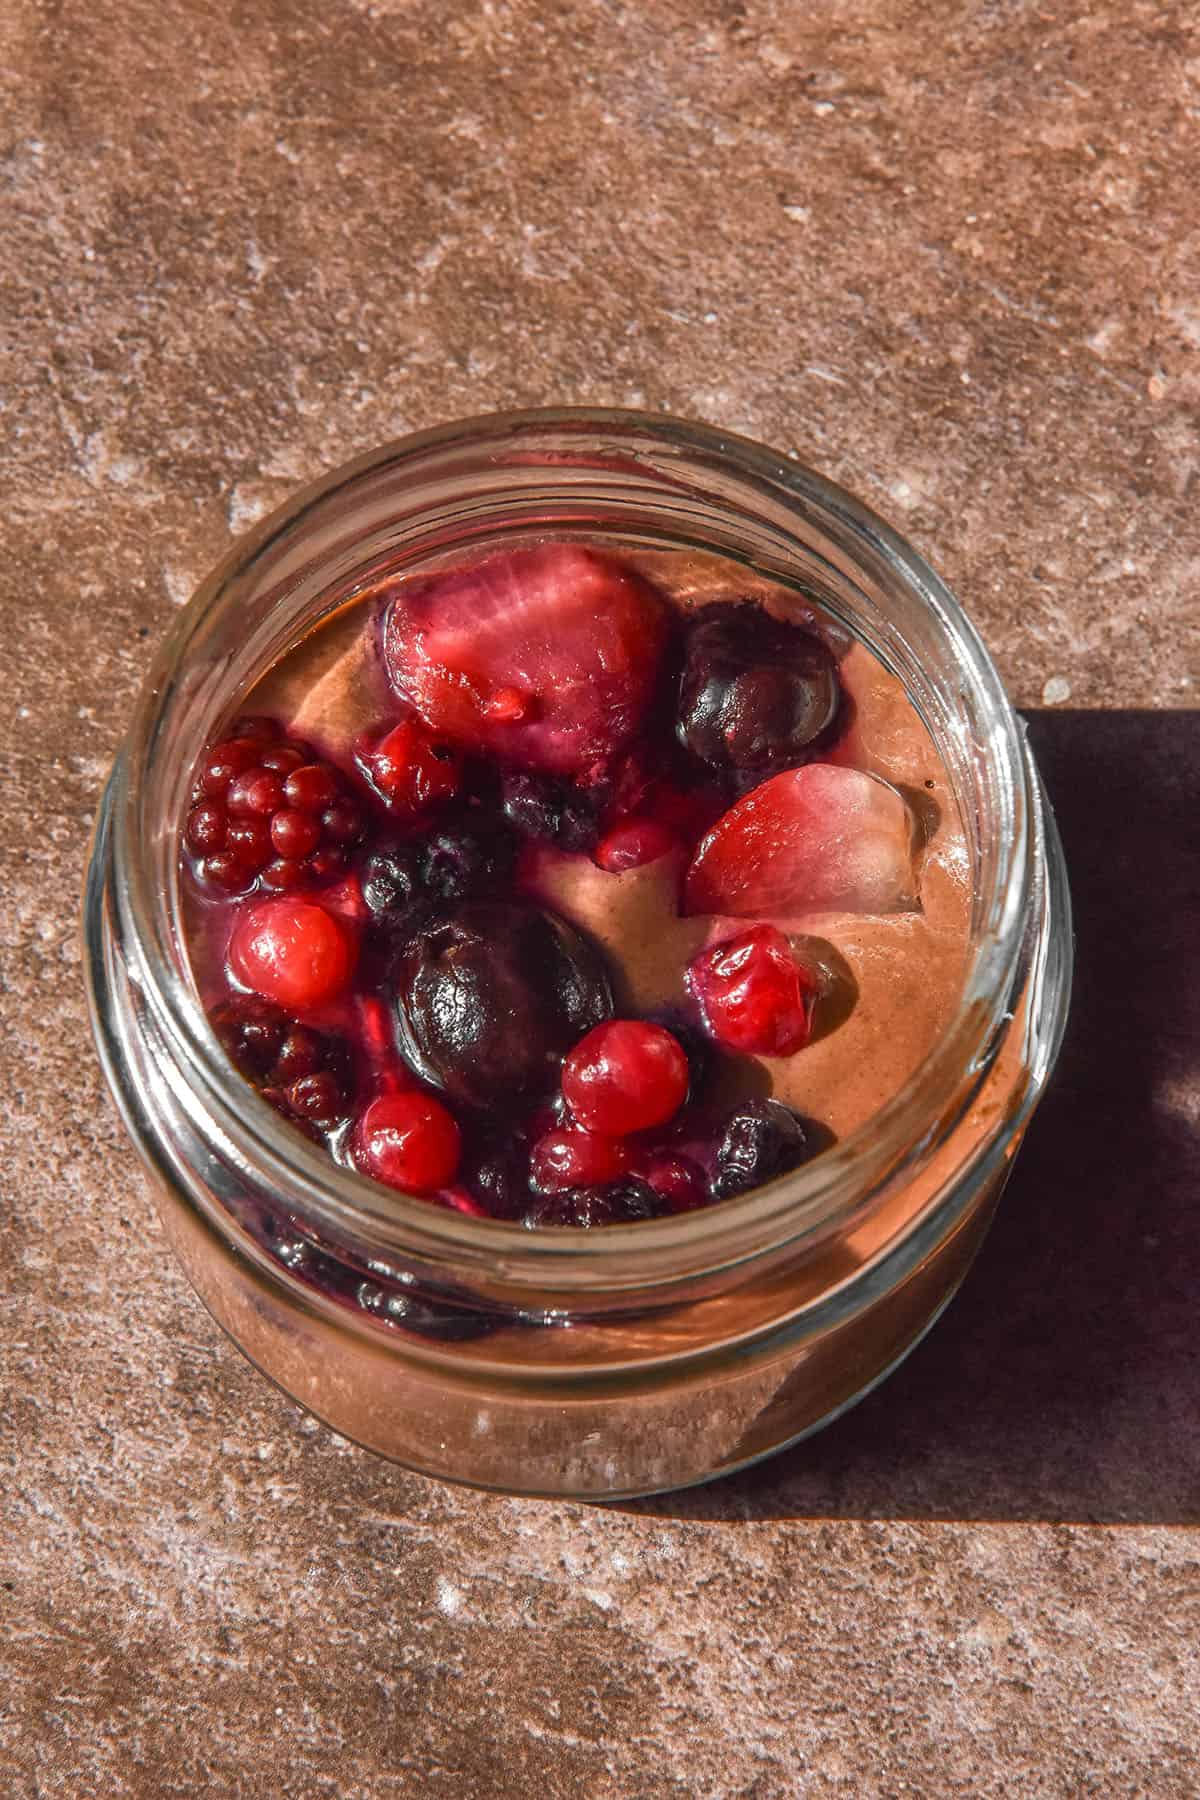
[{"x": 637, "y": 1358}]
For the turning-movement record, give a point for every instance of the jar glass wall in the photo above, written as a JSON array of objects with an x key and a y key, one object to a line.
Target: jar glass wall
[{"x": 639, "y": 1357}]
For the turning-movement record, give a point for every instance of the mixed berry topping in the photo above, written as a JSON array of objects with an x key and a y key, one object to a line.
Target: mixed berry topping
[
  {"x": 393, "y": 980},
  {"x": 266, "y": 812}
]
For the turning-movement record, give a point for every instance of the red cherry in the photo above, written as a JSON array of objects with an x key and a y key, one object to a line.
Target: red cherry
[
  {"x": 408, "y": 1141},
  {"x": 567, "y": 1159},
  {"x": 624, "y": 1076},
  {"x": 754, "y": 995},
  {"x": 293, "y": 953},
  {"x": 680, "y": 1181},
  {"x": 631, "y": 845},
  {"x": 412, "y": 770}
]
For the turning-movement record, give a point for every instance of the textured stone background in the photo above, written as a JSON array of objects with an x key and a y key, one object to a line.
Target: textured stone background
[{"x": 948, "y": 252}]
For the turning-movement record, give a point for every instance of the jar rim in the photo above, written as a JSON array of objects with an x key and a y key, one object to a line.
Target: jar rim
[{"x": 822, "y": 1195}]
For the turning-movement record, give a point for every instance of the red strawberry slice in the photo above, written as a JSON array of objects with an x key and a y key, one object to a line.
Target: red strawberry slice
[
  {"x": 544, "y": 657},
  {"x": 816, "y": 839}
]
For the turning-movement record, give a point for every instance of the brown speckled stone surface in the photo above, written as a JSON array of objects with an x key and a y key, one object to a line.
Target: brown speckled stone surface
[{"x": 949, "y": 253}]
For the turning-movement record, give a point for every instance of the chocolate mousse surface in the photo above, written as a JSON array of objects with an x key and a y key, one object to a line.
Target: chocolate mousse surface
[{"x": 234, "y": 259}]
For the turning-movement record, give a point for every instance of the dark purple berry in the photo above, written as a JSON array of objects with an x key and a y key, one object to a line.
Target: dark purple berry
[
  {"x": 755, "y": 692},
  {"x": 490, "y": 995},
  {"x": 761, "y": 1139},
  {"x": 391, "y": 880},
  {"x": 496, "y": 1172},
  {"x": 549, "y": 811},
  {"x": 624, "y": 1202},
  {"x": 463, "y": 861}
]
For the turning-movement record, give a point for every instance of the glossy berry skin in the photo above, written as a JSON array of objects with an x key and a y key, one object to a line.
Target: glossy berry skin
[
  {"x": 627, "y": 1075},
  {"x": 392, "y": 880},
  {"x": 677, "y": 1180},
  {"x": 412, "y": 771},
  {"x": 462, "y": 861},
  {"x": 549, "y": 811},
  {"x": 753, "y": 994},
  {"x": 495, "y": 1174},
  {"x": 408, "y": 1141},
  {"x": 490, "y": 995},
  {"x": 292, "y": 952},
  {"x": 823, "y": 838},
  {"x": 755, "y": 692},
  {"x": 574, "y": 1158},
  {"x": 625, "y": 1202},
  {"x": 761, "y": 1140},
  {"x": 634, "y": 844},
  {"x": 266, "y": 812}
]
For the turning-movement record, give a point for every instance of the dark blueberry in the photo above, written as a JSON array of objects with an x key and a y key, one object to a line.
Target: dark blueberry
[
  {"x": 755, "y": 692},
  {"x": 550, "y": 811},
  {"x": 462, "y": 861},
  {"x": 496, "y": 1172},
  {"x": 490, "y": 995},
  {"x": 391, "y": 880},
  {"x": 624, "y": 1202},
  {"x": 760, "y": 1140}
]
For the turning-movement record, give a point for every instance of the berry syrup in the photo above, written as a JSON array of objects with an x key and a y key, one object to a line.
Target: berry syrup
[{"x": 571, "y": 888}]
